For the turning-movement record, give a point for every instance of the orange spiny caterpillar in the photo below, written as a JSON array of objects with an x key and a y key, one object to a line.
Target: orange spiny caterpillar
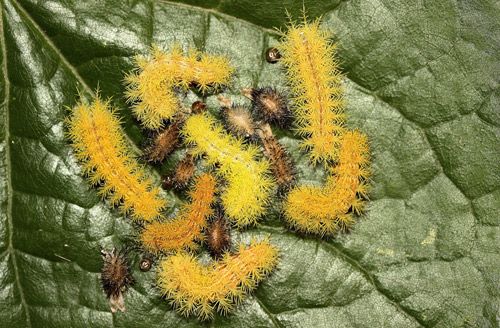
[
  {"x": 99, "y": 142},
  {"x": 163, "y": 142},
  {"x": 150, "y": 86},
  {"x": 183, "y": 231},
  {"x": 183, "y": 172},
  {"x": 315, "y": 81},
  {"x": 248, "y": 185},
  {"x": 200, "y": 290},
  {"x": 281, "y": 163},
  {"x": 324, "y": 210}
]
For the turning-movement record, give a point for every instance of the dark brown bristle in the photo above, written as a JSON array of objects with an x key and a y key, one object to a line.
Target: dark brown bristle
[
  {"x": 218, "y": 237},
  {"x": 163, "y": 143},
  {"x": 281, "y": 164},
  {"x": 182, "y": 174},
  {"x": 198, "y": 107},
  {"x": 273, "y": 55},
  {"x": 238, "y": 121},
  {"x": 271, "y": 106},
  {"x": 115, "y": 278}
]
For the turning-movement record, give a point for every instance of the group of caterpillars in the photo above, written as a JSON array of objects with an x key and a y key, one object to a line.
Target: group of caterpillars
[{"x": 237, "y": 184}]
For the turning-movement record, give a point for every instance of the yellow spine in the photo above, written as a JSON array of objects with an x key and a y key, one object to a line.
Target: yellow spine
[
  {"x": 186, "y": 229},
  {"x": 324, "y": 210},
  {"x": 98, "y": 141},
  {"x": 248, "y": 185},
  {"x": 204, "y": 290},
  {"x": 315, "y": 81}
]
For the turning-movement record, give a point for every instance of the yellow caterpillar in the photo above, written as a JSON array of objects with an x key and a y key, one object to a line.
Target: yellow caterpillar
[
  {"x": 186, "y": 229},
  {"x": 248, "y": 186},
  {"x": 315, "y": 81},
  {"x": 203, "y": 290},
  {"x": 324, "y": 210},
  {"x": 150, "y": 86},
  {"x": 98, "y": 141}
]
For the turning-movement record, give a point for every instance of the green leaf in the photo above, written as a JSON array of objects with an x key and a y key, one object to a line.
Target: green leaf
[{"x": 422, "y": 82}]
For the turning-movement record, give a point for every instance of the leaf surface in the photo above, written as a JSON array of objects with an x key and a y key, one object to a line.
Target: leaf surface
[{"x": 422, "y": 82}]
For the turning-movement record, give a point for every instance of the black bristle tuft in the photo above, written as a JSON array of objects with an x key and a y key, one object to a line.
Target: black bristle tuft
[
  {"x": 281, "y": 164},
  {"x": 116, "y": 277},
  {"x": 218, "y": 235},
  {"x": 181, "y": 176},
  {"x": 271, "y": 106},
  {"x": 163, "y": 143}
]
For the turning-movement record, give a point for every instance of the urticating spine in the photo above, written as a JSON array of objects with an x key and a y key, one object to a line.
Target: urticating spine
[
  {"x": 325, "y": 210},
  {"x": 150, "y": 86},
  {"x": 203, "y": 290},
  {"x": 315, "y": 81},
  {"x": 99, "y": 143},
  {"x": 248, "y": 186},
  {"x": 183, "y": 231}
]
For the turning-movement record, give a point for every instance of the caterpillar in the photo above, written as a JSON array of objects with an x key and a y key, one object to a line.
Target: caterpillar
[
  {"x": 248, "y": 186},
  {"x": 163, "y": 142},
  {"x": 195, "y": 289},
  {"x": 182, "y": 174},
  {"x": 281, "y": 163},
  {"x": 315, "y": 82},
  {"x": 183, "y": 231},
  {"x": 218, "y": 237},
  {"x": 324, "y": 210},
  {"x": 269, "y": 105},
  {"x": 116, "y": 277},
  {"x": 150, "y": 85},
  {"x": 99, "y": 143},
  {"x": 237, "y": 119}
]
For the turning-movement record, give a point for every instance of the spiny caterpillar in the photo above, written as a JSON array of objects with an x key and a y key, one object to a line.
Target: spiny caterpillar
[
  {"x": 202, "y": 290},
  {"x": 217, "y": 235},
  {"x": 116, "y": 277},
  {"x": 163, "y": 142},
  {"x": 269, "y": 105},
  {"x": 315, "y": 81},
  {"x": 99, "y": 143},
  {"x": 281, "y": 164},
  {"x": 150, "y": 86},
  {"x": 248, "y": 186},
  {"x": 324, "y": 210},
  {"x": 237, "y": 119},
  {"x": 183, "y": 231},
  {"x": 182, "y": 174}
]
